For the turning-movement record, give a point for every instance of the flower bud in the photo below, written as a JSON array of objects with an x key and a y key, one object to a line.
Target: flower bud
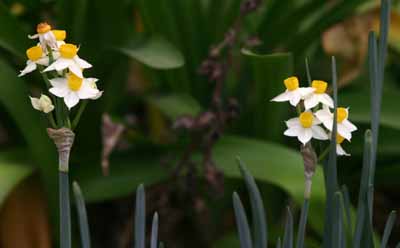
[{"x": 43, "y": 104}]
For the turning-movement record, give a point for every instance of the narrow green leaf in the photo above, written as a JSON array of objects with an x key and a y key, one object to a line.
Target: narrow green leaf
[
  {"x": 362, "y": 209},
  {"x": 347, "y": 207},
  {"x": 257, "y": 206},
  {"x": 140, "y": 218},
  {"x": 302, "y": 224},
  {"x": 330, "y": 168},
  {"x": 309, "y": 78},
  {"x": 288, "y": 236},
  {"x": 154, "y": 232},
  {"x": 155, "y": 52},
  {"x": 83, "y": 221},
  {"x": 242, "y": 223},
  {"x": 388, "y": 228},
  {"x": 278, "y": 243}
]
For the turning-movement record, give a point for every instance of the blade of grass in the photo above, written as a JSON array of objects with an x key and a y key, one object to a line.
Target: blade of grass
[
  {"x": 257, "y": 206},
  {"x": 140, "y": 215},
  {"x": 154, "y": 232},
  {"x": 330, "y": 167},
  {"x": 83, "y": 221},
  {"x": 362, "y": 207},
  {"x": 278, "y": 243},
  {"x": 388, "y": 228},
  {"x": 302, "y": 224},
  {"x": 288, "y": 236},
  {"x": 347, "y": 207},
  {"x": 242, "y": 223}
]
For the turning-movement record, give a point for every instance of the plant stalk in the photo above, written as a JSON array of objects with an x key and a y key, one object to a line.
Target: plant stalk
[{"x": 63, "y": 138}]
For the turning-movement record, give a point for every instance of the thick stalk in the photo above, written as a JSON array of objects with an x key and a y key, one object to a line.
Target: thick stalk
[{"x": 63, "y": 138}]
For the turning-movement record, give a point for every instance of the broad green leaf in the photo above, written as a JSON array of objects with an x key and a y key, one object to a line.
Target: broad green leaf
[
  {"x": 12, "y": 172},
  {"x": 155, "y": 52},
  {"x": 359, "y": 104},
  {"x": 268, "y": 72},
  {"x": 267, "y": 162},
  {"x": 12, "y": 36},
  {"x": 174, "y": 106},
  {"x": 14, "y": 97}
]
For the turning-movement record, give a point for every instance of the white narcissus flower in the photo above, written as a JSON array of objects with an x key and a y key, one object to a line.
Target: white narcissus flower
[
  {"x": 344, "y": 126},
  {"x": 35, "y": 56},
  {"x": 46, "y": 37},
  {"x": 60, "y": 36},
  {"x": 305, "y": 127},
  {"x": 68, "y": 58},
  {"x": 293, "y": 92},
  {"x": 339, "y": 149},
  {"x": 43, "y": 104},
  {"x": 73, "y": 88},
  {"x": 318, "y": 96}
]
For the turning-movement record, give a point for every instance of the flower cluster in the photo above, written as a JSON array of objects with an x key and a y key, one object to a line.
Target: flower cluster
[
  {"x": 315, "y": 118},
  {"x": 61, "y": 68}
]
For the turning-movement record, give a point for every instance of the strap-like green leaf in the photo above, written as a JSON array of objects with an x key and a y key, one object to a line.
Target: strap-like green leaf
[{"x": 242, "y": 223}]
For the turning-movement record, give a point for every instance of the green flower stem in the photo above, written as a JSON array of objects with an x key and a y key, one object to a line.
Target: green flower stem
[
  {"x": 63, "y": 138},
  {"x": 51, "y": 120},
  {"x": 65, "y": 211},
  {"x": 298, "y": 108},
  {"x": 323, "y": 154},
  {"x": 79, "y": 114}
]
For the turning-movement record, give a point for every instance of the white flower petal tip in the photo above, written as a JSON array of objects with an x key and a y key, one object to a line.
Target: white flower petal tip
[
  {"x": 42, "y": 104},
  {"x": 340, "y": 151},
  {"x": 305, "y": 128}
]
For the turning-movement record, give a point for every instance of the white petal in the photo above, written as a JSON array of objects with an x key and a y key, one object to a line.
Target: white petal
[
  {"x": 304, "y": 91},
  {"x": 35, "y": 103},
  {"x": 60, "y": 92},
  {"x": 82, "y": 63},
  {"x": 71, "y": 99},
  {"x": 293, "y": 122},
  {"x": 86, "y": 91},
  {"x": 293, "y": 131},
  {"x": 32, "y": 37},
  {"x": 305, "y": 135},
  {"x": 59, "y": 64},
  {"x": 74, "y": 68},
  {"x": 343, "y": 131},
  {"x": 282, "y": 97},
  {"x": 48, "y": 108},
  {"x": 43, "y": 61},
  {"x": 295, "y": 98},
  {"x": 324, "y": 115},
  {"x": 319, "y": 133},
  {"x": 58, "y": 82},
  {"x": 326, "y": 100},
  {"x": 350, "y": 126},
  {"x": 311, "y": 101},
  {"x": 30, "y": 66},
  {"x": 340, "y": 151},
  {"x": 328, "y": 124}
]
